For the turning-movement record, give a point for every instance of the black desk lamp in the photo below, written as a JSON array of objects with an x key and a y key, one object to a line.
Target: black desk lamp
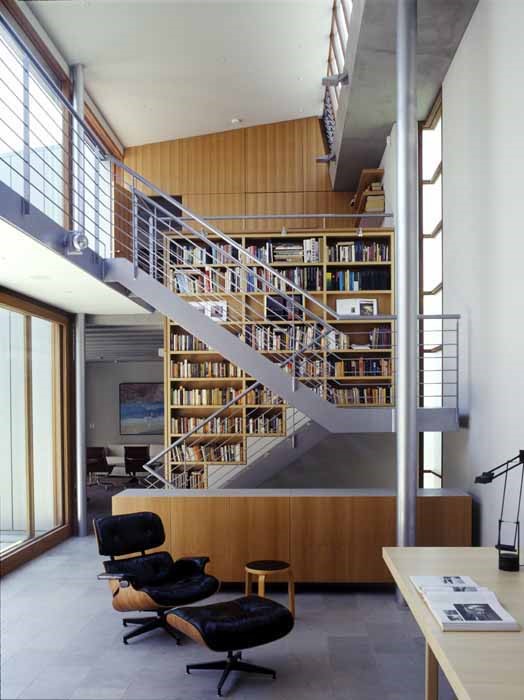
[{"x": 509, "y": 553}]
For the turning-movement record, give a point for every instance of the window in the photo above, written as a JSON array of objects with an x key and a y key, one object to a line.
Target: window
[
  {"x": 431, "y": 292},
  {"x": 33, "y": 428},
  {"x": 33, "y": 158}
]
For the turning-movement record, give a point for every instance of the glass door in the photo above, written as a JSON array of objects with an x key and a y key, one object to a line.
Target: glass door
[{"x": 32, "y": 493}]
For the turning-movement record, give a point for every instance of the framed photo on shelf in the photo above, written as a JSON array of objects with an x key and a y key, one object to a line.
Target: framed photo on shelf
[
  {"x": 217, "y": 311},
  {"x": 357, "y": 307},
  {"x": 281, "y": 308}
]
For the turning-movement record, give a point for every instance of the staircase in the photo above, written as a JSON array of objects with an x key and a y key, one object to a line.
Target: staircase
[{"x": 152, "y": 248}]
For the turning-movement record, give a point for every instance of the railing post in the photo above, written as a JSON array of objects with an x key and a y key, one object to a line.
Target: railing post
[
  {"x": 134, "y": 231},
  {"x": 78, "y": 148},
  {"x": 27, "y": 137},
  {"x": 407, "y": 277}
]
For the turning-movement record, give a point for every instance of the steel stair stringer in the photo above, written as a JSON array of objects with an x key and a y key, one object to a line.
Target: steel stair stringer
[{"x": 120, "y": 271}]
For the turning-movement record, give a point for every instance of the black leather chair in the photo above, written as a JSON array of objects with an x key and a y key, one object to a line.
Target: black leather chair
[
  {"x": 135, "y": 456},
  {"x": 148, "y": 582},
  {"x": 96, "y": 462}
]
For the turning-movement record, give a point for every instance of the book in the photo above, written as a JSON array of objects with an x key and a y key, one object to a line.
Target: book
[{"x": 468, "y": 611}]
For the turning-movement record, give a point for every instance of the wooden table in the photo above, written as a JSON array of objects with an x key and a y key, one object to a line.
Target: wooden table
[{"x": 478, "y": 665}]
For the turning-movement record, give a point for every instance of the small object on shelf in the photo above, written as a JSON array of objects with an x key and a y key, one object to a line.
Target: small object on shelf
[{"x": 508, "y": 546}]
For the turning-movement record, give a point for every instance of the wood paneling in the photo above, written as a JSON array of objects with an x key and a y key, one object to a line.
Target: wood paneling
[
  {"x": 316, "y": 175},
  {"x": 325, "y": 538},
  {"x": 328, "y": 203},
  {"x": 275, "y": 157},
  {"x": 230, "y": 530},
  {"x": 217, "y": 205},
  {"x": 274, "y": 203}
]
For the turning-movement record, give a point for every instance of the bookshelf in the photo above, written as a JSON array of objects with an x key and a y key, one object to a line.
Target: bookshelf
[{"x": 330, "y": 264}]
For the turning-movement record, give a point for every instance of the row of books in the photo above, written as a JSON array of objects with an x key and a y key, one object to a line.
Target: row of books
[
  {"x": 225, "y": 424},
  {"x": 358, "y": 251},
  {"x": 363, "y": 367},
  {"x": 268, "y": 338},
  {"x": 185, "y": 369},
  {"x": 194, "y": 479},
  {"x": 357, "y": 280},
  {"x": 186, "y": 342},
  {"x": 193, "y": 255},
  {"x": 264, "y": 425},
  {"x": 208, "y": 453},
  {"x": 260, "y": 396},
  {"x": 359, "y": 395},
  {"x": 216, "y": 396},
  {"x": 261, "y": 280},
  {"x": 208, "y": 281},
  {"x": 289, "y": 250}
]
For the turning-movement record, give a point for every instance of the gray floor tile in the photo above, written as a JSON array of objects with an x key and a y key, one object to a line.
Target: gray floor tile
[{"x": 346, "y": 645}]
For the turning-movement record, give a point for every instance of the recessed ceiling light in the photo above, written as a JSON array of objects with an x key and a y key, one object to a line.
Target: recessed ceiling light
[{"x": 236, "y": 120}]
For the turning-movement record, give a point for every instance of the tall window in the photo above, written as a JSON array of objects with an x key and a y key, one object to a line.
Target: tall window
[
  {"x": 33, "y": 158},
  {"x": 431, "y": 281},
  {"x": 33, "y": 431}
]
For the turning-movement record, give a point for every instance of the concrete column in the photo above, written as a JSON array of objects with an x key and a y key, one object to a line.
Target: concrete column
[{"x": 407, "y": 273}]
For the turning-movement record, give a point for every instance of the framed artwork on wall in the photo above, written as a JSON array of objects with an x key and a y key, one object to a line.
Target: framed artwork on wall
[{"x": 141, "y": 408}]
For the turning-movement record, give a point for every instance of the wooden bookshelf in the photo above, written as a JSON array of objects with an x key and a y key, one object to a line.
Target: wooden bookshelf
[{"x": 246, "y": 305}]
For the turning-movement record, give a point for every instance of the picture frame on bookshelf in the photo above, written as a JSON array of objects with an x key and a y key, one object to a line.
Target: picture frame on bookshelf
[
  {"x": 357, "y": 307},
  {"x": 217, "y": 311},
  {"x": 199, "y": 306},
  {"x": 280, "y": 308}
]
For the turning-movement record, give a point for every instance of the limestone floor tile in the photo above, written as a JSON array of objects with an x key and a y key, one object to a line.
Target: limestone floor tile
[{"x": 346, "y": 644}]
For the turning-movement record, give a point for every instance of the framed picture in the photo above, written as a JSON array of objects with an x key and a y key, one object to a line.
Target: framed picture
[
  {"x": 280, "y": 308},
  {"x": 141, "y": 408},
  {"x": 217, "y": 311},
  {"x": 357, "y": 307}
]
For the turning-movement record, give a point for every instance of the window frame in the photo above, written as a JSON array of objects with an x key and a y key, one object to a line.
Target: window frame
[
  {"x": 64, "y": 429},
  {"x": 435, "y": 114}
]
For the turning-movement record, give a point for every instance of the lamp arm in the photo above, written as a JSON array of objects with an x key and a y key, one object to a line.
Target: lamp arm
[{"x": 501, "y": 470}]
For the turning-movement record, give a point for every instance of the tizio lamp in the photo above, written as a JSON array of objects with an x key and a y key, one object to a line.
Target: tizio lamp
[{"x": 508, "y": 546}]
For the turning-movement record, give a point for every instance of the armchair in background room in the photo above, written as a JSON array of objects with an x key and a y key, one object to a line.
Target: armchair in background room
[
  {"x": 151, "y": 582},
  {"x": 135, "y": 456},
  {"x": 96, "y": 463}
]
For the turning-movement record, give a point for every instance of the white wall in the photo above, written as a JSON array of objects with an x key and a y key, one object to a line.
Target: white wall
[
  {"x": 102, "y": 399},
  {"x": 389, "y": 163},
  {"x": 483, "y": 152}
]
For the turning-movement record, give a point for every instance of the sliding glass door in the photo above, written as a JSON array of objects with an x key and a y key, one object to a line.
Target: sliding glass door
[{"x": 32, "y": 426}]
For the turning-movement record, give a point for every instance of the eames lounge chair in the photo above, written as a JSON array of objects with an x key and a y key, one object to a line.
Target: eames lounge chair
[{"x": 148, "y": 582}]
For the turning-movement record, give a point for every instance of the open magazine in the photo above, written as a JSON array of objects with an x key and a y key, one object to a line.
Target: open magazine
[{"x": 459, "y": 603}]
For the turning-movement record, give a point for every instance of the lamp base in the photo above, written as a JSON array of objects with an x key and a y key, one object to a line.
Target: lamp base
[{"x": 509, "y": 561}]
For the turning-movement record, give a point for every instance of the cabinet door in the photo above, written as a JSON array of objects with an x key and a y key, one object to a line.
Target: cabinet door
[{"x": 320, "y": 538}]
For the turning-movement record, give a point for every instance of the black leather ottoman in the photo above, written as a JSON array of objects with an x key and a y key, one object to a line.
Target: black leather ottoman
[{"x": 232, "y": 626}]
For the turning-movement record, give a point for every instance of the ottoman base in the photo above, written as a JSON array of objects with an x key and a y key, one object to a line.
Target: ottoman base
[{"x": 232, "y": 663}]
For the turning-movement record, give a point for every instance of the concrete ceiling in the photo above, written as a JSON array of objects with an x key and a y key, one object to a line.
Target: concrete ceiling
[
  {"x": 368, "y": 104},
  {"x": 31, "y": 268},
  {"x": 165, "y": 70}
]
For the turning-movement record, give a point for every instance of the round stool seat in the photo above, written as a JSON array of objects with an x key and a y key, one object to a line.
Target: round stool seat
[{"x": 267, "y": 565}]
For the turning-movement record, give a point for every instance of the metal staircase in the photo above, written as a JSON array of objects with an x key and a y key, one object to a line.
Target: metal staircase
[{"x": 152, "y": 247}]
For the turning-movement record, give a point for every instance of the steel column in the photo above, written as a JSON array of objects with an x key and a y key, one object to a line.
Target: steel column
[
  {"x": 407, "y": 273},
  {"x": 80, "y": 417},
  {"x": 80, "y": 359}
]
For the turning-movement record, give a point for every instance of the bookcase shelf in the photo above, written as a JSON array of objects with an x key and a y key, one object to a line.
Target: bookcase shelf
[{"x": 247, "y": 306}]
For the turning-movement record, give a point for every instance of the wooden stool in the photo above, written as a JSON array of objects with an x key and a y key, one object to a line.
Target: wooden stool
[{"x": 267, "y": 567}]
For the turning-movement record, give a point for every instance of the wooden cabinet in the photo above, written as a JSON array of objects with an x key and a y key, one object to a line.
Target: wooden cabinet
[{"x": 325, "y": 537}]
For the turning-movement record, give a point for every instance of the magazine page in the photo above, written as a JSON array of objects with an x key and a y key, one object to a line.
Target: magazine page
[
  {"x": 469, "y": 611},
  {"x": 455, "y": 583}
]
